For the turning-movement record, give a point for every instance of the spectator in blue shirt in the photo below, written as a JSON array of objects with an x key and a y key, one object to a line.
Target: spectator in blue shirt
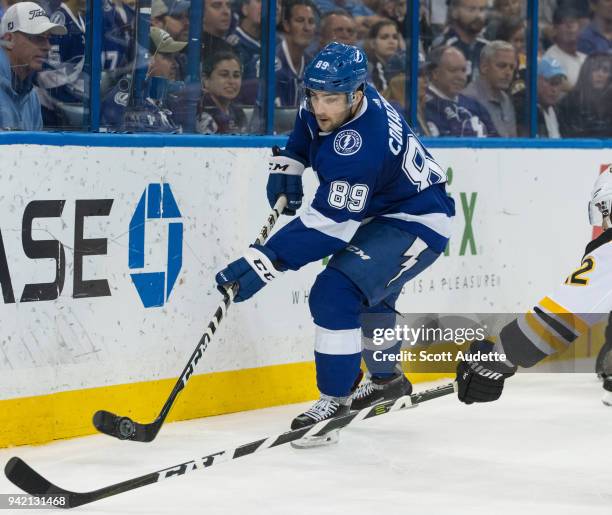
[
  {"x": 246, "y": 36},
  {"x": 24, "y": 45},
  {"x": 447, "y": 111},
  {"x": 597, "y": 35}
]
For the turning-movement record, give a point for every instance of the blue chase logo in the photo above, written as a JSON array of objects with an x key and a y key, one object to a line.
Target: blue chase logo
[
  {"x": 347, "y": 142},
  {"x": 156, "y": 203}
]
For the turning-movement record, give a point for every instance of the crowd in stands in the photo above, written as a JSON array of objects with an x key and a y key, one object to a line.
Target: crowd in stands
[{"x": 472, "y": 68}]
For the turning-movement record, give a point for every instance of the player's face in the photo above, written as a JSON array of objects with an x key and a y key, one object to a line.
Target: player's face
[
  {"x": 450, "y": 76},
  {"x": 177, "y": 26},
  {"x": 386, "y": 42},
  {"x": 340, "y": 28},
  {"x": 29, "y": 52},
  {"x": 300, "y": 29},
  {"x": 470, "y": 15},
  {"x": 225, "y": 80},
  {"x": 251, "y": 10},
  {"x": 499, "y": 70},
  {"x": 330, "y": 109},
  {"x": 217, "y": 17}
]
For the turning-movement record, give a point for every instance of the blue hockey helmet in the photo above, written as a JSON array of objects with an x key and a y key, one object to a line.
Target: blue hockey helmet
[{"x": 337, "y": 68}]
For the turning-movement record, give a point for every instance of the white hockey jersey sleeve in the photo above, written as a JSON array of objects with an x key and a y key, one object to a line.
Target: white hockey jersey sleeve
[{"x": 558, "y": 319}]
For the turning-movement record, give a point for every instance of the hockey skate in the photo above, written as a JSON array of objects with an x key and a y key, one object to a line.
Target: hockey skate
[
  {"x": 374, "y": 391},
  {"x": 324, "y": 409}
]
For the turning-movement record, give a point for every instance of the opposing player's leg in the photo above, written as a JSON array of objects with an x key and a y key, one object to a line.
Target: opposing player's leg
[
  {"x": 379, "y": 261},
  {"x": 603, "y": 365}
]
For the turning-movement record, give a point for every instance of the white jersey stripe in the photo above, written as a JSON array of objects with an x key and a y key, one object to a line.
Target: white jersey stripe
[
  {"x": 344, "y": 231},
  {"x": 438, "y": 222}
]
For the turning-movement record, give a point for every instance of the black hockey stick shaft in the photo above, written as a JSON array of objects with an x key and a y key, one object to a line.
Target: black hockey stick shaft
[
  {"x": 126, "y": 429},
  {"x": 26, "y": 478}
]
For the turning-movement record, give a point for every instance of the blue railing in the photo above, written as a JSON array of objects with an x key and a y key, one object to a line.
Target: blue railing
[{"x": 412, "y": 29}]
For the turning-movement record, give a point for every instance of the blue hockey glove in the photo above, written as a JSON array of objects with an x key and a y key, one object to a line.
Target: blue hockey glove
[
  {"x": 252, "y": 272},
  {"x": 481, "y": 379},
  {"x": 285, "y": 179}
]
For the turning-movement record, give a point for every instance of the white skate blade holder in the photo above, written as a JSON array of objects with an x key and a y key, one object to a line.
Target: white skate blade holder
[
  {"x": 310, "y": 442},
  {"x": 607, "y": 398},
  {"x": 333, "y": 436}
]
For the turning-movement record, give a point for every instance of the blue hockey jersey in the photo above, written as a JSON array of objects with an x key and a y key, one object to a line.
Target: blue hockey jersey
[
  {"x": 248, "y": 49},
  {"x": 63, "y": 77},
  {"x": 372, "y": 166},
  {"x": 288, "y": 79},
  {"x": 463, "y": 116}
]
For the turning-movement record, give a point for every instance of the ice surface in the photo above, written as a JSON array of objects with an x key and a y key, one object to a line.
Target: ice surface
[{"x": 544, "y": 448}]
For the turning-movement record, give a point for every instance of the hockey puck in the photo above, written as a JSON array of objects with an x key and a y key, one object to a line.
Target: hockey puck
[{"x": 125, "y": 428}]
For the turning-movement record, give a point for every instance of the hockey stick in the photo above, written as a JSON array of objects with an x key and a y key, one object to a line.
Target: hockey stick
[
  {"x": 30, "y": 481},
  {"x": 125, "y": 428}
]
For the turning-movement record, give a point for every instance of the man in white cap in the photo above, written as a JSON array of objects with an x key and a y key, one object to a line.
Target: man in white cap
[{"x": 24, "y": 46}]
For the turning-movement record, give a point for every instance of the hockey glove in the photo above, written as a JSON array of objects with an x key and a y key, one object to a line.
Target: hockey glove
[
  {"x": 285, "y": 179},
  {"x": 481, "y": 380},
  {"x": 252, "y": 272}
]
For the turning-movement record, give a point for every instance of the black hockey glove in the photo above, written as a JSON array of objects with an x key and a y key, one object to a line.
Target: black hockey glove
[{"x": 481, "y": 379}]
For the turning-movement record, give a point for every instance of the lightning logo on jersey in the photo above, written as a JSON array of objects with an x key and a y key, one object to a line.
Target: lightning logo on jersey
[{"x": 412, "y": 255}]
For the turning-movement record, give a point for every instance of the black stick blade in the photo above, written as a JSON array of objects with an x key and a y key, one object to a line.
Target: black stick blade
[
  {"x": 25, "y": 477},
  {"x": 125, "y": 428},
  {"x": 106, "y": 422}
]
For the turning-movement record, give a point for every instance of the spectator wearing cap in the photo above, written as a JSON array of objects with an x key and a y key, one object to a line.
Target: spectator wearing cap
[
  {"x": 597, "y": 35},
  {"x": 171, "y": 16},
  {"x": 338, "y": 25},
  {"x": 551, "y": 77},
  {"x": 490, "y": 88},
  {"x": 585, "y": 111},
  {"x": 24, "y": 45},
  {"x": 565, "y": 50},
  {"x": 447, "y": 111},
  {"x": 246, "y": 37},
  {"x": 119, "y": 113},
  {"x": 467, "y": 19},
  {"x": 218, "y": 112}
]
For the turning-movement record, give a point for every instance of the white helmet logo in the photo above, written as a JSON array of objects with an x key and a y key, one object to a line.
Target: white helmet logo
[{"x": 358, "y": 56}]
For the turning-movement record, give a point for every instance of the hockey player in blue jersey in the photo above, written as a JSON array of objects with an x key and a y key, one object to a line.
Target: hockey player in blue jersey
[{"x": 381, "y": 211}]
